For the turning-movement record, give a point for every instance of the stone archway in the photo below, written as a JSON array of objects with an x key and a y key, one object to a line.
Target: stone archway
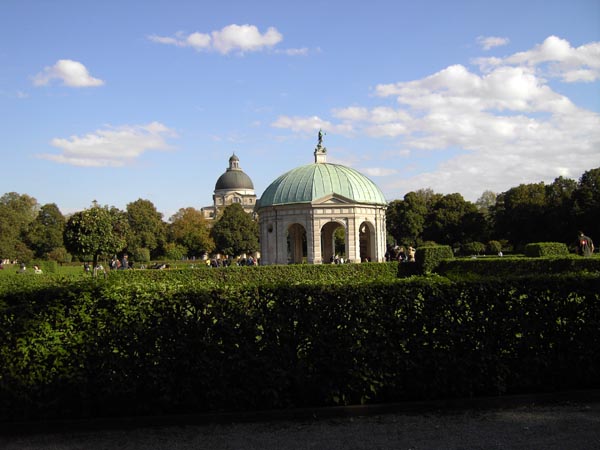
[
  {"x": 328, "y": 250},
  {"x": 367, "y": 240},
  {"x": 296, "y": 243}
]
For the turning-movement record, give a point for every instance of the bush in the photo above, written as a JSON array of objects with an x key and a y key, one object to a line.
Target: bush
[
  {"x": 473, "y": 248},
  {"x": 428, "y": 258},
  {"x": 137, "y": 347},
  {"x": 541, "y": 249},
  {"x": 494, "y": 247},
  {"x": 516, "y": 267},
  {"x": 140, "y": 255}
]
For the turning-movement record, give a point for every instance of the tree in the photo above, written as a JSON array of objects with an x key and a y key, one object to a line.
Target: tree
[
  {"x": 190, "y": 229},
  {"x": 405, "y": 219},
  {"x": 454, "y": 220},
  {"x": 97, "y": 231},
  {"x": 147, "y": 228},
  {"x": 17, "y": 211},
  {"x": 559, "y": 223},
  {"x": 45, "y": 233},
  {"x": 235, "y": 232},
  {"x": 519, "y": 214},
  {"x": 586, "y": 198}
]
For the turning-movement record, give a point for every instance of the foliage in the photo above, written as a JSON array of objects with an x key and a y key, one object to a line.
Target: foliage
[
  {"x": 473, "y": 248},
  {"x": 494, "y": 247},
  {"x": 45, "y": 233},
  {"x": 127, "y": 346},
  {"x": 515, "y": 267},
  {"x": 17, "y": 211},
  {"x": 235, "y": 232},
  {"x": 190, "y": 230},
  {"x": 147, "y": 229},
  {"x": 97, "y": 231},
  {"x": 454, "y": 220},
  {"x": 428, "y": 258},
  {"x": 540, "y": 249}
]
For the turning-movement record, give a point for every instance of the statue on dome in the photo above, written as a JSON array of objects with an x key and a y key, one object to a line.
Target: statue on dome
[{"x": 321, "y": 134}]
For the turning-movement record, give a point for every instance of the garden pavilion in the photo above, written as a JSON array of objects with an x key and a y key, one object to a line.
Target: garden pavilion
[{"x": 301, "y": 210}]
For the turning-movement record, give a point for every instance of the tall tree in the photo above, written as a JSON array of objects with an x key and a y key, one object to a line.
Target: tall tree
[
  {"x": 190, "y": 229},
  {"x": 95, "y": 232},
  {"x": 235, "y": 232},
  {"x": 559, "y": 223},
  {"x": 454, "y": 220},
  {"x": 147, "y": 228},
  {"x": 587, "y": 201},
  {"x": 519, "y": 213},
  {"x": 17, "y": 211},
  {"x": 45, "y": 233},
  {"x": 406, "y": 218}
]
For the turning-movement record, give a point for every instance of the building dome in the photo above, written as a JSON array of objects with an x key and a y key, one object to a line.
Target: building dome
[
  {"x": 311, "y": 182},
  {"x": 234, "y": 178}
]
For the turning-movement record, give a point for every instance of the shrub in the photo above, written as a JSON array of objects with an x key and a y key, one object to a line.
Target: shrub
[
  {"x": 473, "y": 248},
  {"x": 494, "y": 247},
  {"x": 428, "y": 258},
  {"x": 541, "y": 249}
]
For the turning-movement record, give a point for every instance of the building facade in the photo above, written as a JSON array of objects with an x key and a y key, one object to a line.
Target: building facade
[{"x": 233, "y": 186}]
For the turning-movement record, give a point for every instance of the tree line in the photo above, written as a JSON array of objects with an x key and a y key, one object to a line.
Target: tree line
[
  {"x": 32, "y": 231},
  {"x": 535, "y": 212}
]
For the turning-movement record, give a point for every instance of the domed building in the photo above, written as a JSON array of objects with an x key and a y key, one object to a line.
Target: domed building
[
  {"x": 233, "y": 186},
  {"x": 301, "y": 210}
]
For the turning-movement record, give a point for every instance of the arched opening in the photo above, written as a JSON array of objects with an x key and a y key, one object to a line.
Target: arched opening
[
  {"x": 367, "y": 242},
  {"x": 333, "y": 242},
  {"x": 296, "y": 243}
]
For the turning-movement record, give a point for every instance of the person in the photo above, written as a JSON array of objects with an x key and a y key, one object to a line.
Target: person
[
  {"x": 124, "y": 262},
  {"x": 22, "y": 268},
  {"x": 585, "y": 245},
  {"x": 99, "y": 269},
  {"x": 86, "y": 267}
]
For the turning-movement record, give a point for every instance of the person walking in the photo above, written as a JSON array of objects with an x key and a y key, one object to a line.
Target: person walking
[{"x": 585, "y": 245}]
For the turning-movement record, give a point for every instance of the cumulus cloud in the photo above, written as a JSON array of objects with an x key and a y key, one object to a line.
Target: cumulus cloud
[
  {"x": 307, "y": 125},
  {"x": 490, "y": 129},
  {"x": 112, "y": 146},
  {"x": 72, "y": 73},
  {"x": 557, "y": 57},
  {"x": 232, "y": 38},
  {"x": 489, "y": 42}
]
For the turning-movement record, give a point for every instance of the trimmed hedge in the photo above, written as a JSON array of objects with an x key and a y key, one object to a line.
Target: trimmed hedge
[
  {"x": 127, "y": 346},
  {"x": 543, "y": 249},
  {"x": 512, "y": 267},
  {"x": 428, "y": 258}
]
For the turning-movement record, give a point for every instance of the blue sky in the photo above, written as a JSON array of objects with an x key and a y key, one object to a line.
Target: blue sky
[{"x": 119, "y": 100}]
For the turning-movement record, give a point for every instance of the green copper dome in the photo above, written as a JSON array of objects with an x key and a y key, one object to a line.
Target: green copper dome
[{"x": 314, "y": 181}]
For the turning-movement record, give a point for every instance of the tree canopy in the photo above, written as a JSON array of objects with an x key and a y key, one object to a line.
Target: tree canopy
[
  {"x": 189, "y": 229},
  {"x": 235, "y": 232},
  {"x": 95, "y": 232}
]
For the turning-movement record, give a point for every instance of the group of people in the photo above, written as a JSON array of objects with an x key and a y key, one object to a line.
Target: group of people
[
  {"x": 400, "y": 254},
  {"x": 225, "y": 262}
]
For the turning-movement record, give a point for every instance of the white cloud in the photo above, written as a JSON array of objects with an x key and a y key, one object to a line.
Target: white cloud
[
  {"x": 489, "y": 42},
  {"x": 231, "y": 38},
  {"x": 307, "y": 125},
  {"x": 112, "y": 146},
  {"x": 571, "y": 64},
  {"x": 72, "y": 73},
  {"x": 492, "y": 129}
]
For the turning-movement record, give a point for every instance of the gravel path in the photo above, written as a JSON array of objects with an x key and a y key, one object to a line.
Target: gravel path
[{"x": 568, "y": 427}]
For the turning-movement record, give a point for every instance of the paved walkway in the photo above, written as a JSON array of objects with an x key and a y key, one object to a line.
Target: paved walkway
[{"x": 571, "y": 426}]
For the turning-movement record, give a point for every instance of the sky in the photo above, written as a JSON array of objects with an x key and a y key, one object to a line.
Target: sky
[{"x": 114, "y": 101}]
